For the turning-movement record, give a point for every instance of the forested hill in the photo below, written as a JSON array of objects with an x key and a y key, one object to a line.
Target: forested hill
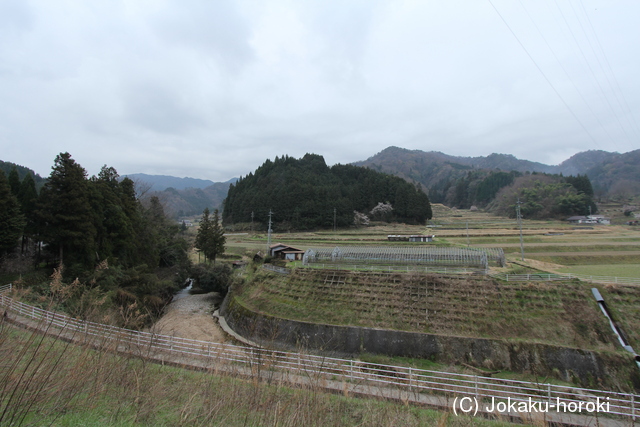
[
  {"x": 7, "y": 167},
  {"x": 162, "y": 182},
  {"x": 303, "y": 194},
  {"x": 613, "y": 175}
]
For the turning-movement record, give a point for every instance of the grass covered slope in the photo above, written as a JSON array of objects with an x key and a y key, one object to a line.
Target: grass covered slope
[
  {"x": 51, "y": 382},
  {"x": 559, "y": 313}
]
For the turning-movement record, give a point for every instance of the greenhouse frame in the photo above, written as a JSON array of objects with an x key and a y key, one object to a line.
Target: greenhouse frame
[{"x": 407, "y": 255}]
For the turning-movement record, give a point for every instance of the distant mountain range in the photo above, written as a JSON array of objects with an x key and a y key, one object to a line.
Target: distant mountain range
[
  {"x": 183, "y": 196},
  {"x": 611, "y": 174},
  {"x": 162, "y": 182}
]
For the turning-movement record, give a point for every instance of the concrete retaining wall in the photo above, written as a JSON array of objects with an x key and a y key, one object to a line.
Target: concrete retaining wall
[{"x": 588, "y": 368}]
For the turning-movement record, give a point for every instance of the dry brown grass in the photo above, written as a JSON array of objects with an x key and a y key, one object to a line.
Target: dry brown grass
[{"x": 48, "y": 382}]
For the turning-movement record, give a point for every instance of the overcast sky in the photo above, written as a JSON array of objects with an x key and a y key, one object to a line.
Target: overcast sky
[{"x": 210, "y": 89}]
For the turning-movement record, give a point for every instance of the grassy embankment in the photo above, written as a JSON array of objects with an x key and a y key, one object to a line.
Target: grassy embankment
[
  {"x": 44, "y": 381},
  {"x": 558, "y": 313},
  {"x": 554, "y": 313}
]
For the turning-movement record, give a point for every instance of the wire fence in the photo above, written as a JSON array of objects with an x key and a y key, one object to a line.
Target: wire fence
[{"x": 353, "y": 375}]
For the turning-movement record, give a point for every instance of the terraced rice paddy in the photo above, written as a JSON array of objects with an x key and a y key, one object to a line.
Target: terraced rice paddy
[{"x": 562, "y": 313}]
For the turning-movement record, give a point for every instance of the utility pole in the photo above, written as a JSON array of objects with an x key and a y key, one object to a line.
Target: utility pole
[
  {"x": 251, "y": 220},
  {"x": 467, "y": 233},
  {"x": 269, "y": 234},
  {"x": 520, "y": 226},
  {"x": 334, "y": 220}
]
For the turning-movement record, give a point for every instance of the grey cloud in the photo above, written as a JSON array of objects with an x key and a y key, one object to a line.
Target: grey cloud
[
  {"x": 213, "y": 88},
  {"x": 158, "y": 109},
  {"x": 215, "y": 28}
]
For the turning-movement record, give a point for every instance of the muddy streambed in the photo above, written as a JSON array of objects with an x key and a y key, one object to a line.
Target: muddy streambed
[{"x": 190, "y": 316}]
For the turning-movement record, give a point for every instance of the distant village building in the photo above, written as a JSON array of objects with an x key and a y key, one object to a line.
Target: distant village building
[
  {"x": 286, "y": 252},
  {"x": 186, "y": 222},
  {"x": 589, "y": 219},
  {"x": 411, "y": 238}
]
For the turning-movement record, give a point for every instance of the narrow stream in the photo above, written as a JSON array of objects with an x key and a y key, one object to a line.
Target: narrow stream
[{"x": 183, "y": 292}]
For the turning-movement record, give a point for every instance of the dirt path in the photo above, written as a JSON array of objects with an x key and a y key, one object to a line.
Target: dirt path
[{"x": 190, "y": 317}]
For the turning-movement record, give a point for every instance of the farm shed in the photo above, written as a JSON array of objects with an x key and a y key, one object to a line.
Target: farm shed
[
  {"x": 407, "y": 255},
  {"x": 286, "y": 252},
  {"x": 589, "y": 219}
]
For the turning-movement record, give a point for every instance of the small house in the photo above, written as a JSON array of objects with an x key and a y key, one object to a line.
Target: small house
[{"x": 286, "y": 252}]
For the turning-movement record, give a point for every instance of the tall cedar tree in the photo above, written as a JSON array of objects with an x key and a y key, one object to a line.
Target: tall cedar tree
[
  {"x": 114, "y": 223},
  {"x": 210, "y": 239},
  {"x": 66, "y": 213},
  {"x": 14, "y": 181},
  {"x": 28, "y": 198},
  {"x": 11, "y": 219}
]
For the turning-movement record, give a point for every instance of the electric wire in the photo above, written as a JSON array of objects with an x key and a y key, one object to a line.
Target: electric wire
[
  {"x": 573, "y": 83},
  {"x": 545, "y": 76},
  {"x": 632, "y": 118},
  {"x": 604, "y": 95}
]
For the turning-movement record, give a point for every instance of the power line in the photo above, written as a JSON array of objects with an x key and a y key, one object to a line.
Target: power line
[
  {"x": 593, "y": 74},
  {"x": 596, "y": 116},
  {"x": 544, "y": 75},
  {"x": 632, "y": 118}
]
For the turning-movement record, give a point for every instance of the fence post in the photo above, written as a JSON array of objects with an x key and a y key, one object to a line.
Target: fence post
[
  {"x": 633, "y": 407},
  {"x": 475, "y": 379},
  {"x": 410, "y": 378},
  {"x": 549, "y": 392}
]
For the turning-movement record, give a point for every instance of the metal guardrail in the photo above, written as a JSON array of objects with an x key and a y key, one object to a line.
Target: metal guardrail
[
  {"x": 354, "y": 372},
  {"x": 569, "y": 276}
]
